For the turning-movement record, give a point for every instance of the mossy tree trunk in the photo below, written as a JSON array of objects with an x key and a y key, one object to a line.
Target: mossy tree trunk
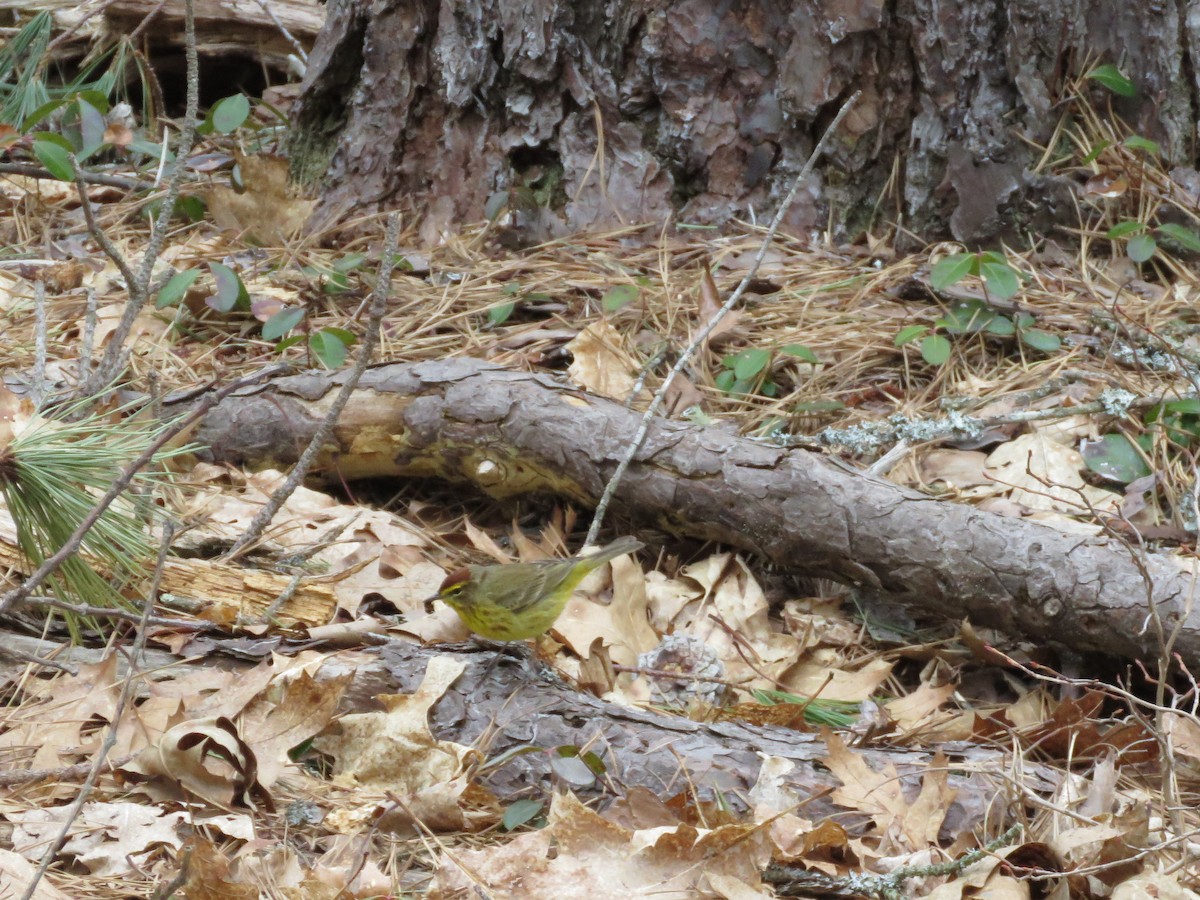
[{"x": 581, "y": 113}]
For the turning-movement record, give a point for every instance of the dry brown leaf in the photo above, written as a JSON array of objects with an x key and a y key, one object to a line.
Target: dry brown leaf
[
  {"x": 209, "y": 875},
  {"x": 880, "y": 795},
  {"x": 600, "y": 364},
  {"x": 1159, "y": 885},
  {"x": 110, "y": 839},
  {"x": 274, "y": 726},
  {"x": 270, "y": 211},
  {"x": 820, "y": 676},
  {"x": 622, "y": 625},
  {"x": 16, "y": 874},
  {"x": 54, "y": 724},
  {"x": 919, "y": 707},
  {"x": 597, "y": 858},
  {"x": 733, "y": 617},
  {"x": 392, "y": 752},
  {"x": 1183, "y": 731},
  {"x": 710, "y": 305},
  {"x": 205, "y": 758},
  {"x": 965, "y": 470},
  {"x": 1045, "y": 475}
]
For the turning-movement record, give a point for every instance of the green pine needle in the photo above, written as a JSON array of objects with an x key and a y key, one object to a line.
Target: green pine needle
[{"x": 51, "y": 475}]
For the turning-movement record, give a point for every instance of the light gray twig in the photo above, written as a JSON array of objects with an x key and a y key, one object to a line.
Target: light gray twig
[
  {"x": 685, "y": 357},
  {"x": 366, "y": 350}
]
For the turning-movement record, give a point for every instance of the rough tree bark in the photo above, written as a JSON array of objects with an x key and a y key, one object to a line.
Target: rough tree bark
[
  {"x": 589, "y": 113},
  {"x": 513, "y": 433},
  {"x": 498, "y": 706}
]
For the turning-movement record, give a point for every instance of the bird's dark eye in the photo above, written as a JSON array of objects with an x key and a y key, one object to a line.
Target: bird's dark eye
[{"x": 454, "y": 582}]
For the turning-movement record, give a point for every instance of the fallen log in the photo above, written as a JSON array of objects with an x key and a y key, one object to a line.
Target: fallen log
[
  {"x": 501, "y": 706},
  {"x": 224, "y": 28},
  {"x": 514, "y": 433}
]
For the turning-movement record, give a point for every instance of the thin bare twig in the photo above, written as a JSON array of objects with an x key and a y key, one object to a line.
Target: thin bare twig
[
  {"x": 39, "y": 341},
  {"x": 105, "y": 612},
  {"x": 117, "y": 181},
  {"x": 88, "y": 343},
  {"x": 387, "y": 264},
  {"x": 685, "y": 357},
  {"x": 138, "y": 285},
  {"x": 287, "y": 35},
  {"x": 110, "y": 734},
  {"x": 34, "y": 660},
  {"x": 16, "y": 777}
]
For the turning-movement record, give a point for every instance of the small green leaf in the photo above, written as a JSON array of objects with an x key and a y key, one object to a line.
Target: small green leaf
[
  {"x": 1183, "y": 236},
  {"x": 95, "y": 98},
  {"x": 1187, "y": 406},
  {"x": 618, "y": 296},
  {"x": 769, "y": 388},
  {"x": 149, "y": 148},
  {"x": 1001, "y": 280},
  {"x": 1110, "y": 76},
  {"x": 495, "y": 204},
  {"x": 498, "y": 315},
  {"x": 572, "y": 770},
  {"x": 1093, "y": 154},
  {"x": 967, "y": 317},
  {"x": 282, "y": 322},
  {"x": 1137, "y": 142},
  {"x": 346, "y": 337},
  {"x": 1040, "y": 340},
  {"x": 908, "y": 334},
  {"x": 91, "y": 129},
  {"x": 336, "y": 283},
  {"x": 54, "y": 158},
  {"x": 175, "y": 288},
  {"x": 1114, "y": 457},
  {"x": 935, "y": 350},
  {"x": 519, "y": 813},
  {"x": 288, "y": 342},
  {"x": 750, "y": 363},
  {"x": 952, "y": 270},
  {"x": 1123, "y": 229},
  {"x": 725, "y": 381},
  {"x": 42, "y": 111},
  {"x": 190, "y": 208},
  {"x": 349, "y": 262},
  {"x": 1001, "y": 326},
  {"x": 328, "y": 348},
  {"x": 1141, "y": 247},
  {"x": 231, "y": 293},
  {"x": 800, "y": 352},
  {"x": 593, "y": 761},
  {"x": 819, "y": 406},
  {"x": 230, "y": 113}
]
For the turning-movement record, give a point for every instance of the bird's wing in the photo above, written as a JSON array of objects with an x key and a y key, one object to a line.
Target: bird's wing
[{"x": 532, "y": 591}]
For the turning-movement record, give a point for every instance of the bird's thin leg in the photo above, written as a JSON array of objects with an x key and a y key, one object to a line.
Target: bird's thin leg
[{"x": 520, "y": 650}]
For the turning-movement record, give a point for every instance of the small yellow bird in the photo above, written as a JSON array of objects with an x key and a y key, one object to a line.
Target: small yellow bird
[{"x": 515, "y": 601}]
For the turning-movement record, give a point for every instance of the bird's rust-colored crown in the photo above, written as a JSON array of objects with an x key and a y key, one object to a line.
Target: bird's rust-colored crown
[{"x": 458, "y": 576}]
